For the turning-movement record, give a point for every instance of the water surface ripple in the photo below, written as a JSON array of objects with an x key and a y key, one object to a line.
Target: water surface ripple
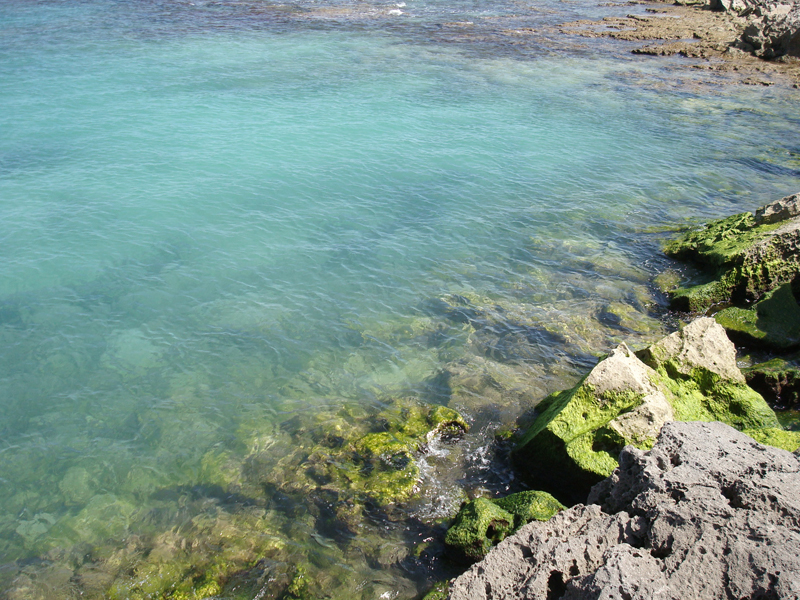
[{"x": 231, "y": 228}]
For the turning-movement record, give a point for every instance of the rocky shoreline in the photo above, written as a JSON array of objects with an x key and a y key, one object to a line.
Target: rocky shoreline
[
  {"x": 689, "y": 493},
  {"x": 758, "y": 40},
  {"x": 707, "y": 513}
]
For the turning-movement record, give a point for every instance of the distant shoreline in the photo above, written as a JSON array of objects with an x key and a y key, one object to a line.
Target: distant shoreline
[{"x": 693, "y": 31}]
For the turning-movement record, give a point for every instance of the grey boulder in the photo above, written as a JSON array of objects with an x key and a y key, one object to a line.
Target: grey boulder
[{"x": 707, "y": 513}]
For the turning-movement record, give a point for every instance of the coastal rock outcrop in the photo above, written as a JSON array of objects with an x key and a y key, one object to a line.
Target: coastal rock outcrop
[
  {"x": 689, "y": 375},
  {"x": 775, "y": 30},
  {"x": 753, "y": 265},
  {"x": 707, "y": 513},
  {"x": 745, "y": 255}
]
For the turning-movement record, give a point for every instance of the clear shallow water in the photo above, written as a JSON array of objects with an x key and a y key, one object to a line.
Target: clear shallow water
[{"x": 226, "y": 223}]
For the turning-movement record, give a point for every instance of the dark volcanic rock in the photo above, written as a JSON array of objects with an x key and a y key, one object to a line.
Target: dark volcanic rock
[{"x": 707, "y": 513}]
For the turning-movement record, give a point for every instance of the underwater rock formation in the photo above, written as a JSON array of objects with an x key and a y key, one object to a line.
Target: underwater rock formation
[
  {"x": 689, "y": 375},
  {"x": 707, "y": 513}
]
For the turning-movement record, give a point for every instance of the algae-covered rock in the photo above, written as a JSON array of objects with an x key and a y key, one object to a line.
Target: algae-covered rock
[
  {"x": 625, "y": 400},
  {"x": 774, "y": 321},
  {"x": 356, "y": 457},
  {"x": 483, "y": 523},
  {"x": 438, "y": 592},
  {"x": 479, "y": 525},
  {"x": 529, "y": 505},
  {"x": 745, "y": 256}
]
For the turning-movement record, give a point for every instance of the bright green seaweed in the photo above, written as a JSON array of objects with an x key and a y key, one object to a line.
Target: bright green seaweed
[
  {"x": 574, "y": 442},
  {"x": 744, "y": 260},
  {"x": 483, "y": 523}
]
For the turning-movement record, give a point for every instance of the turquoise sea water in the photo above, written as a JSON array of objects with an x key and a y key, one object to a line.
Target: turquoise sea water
[{"x": 224, "y": 223}]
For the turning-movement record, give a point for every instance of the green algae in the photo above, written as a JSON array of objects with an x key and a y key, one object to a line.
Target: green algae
[
  {"x": 778, "y": 380},
  {"x": 529, "y": 505},
  {"x": 439, "y": 591},
  {"x": 774, "y": 321},
  {"x": 704, "y": 396},
  {"x": 744, "y": 260},
  {"x": 483, "y": 523},
  {"x": 479, "y": 525},
  {"x": 776, "y": 436},
  {"x": 567, "y": 446},
  {"x": 576, "y": 437},
  {"x": 349, "y": 457}
]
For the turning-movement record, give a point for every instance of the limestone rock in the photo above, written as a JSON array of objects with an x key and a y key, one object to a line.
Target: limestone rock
[
  {"x": 708, "y": 513},
  {"x": 645, "y": 421},
  {"x": 701, "y": 344},
  {"x": 689, "y": 375},
  {"x": 780, "y": 210},
  {"x": 776, "y": 31}
]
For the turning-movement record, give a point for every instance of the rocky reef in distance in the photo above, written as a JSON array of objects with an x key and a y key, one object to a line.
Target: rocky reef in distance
[
  {"x": 757, "y": 40},
  {"x": 692, "y": 506}
]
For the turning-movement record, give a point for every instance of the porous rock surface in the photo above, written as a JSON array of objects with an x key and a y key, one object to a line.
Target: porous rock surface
[
  {"x": 775, "y": 29},
  {"x": 707, "y": 513}
]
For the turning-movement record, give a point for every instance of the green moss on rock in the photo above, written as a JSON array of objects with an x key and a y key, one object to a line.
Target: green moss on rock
[
  {"x": 775, "y": 436},
  {"x": 744, "y": 255},
  {"x": 774, "y": 321},
  {"x": 371, "y": 456},
  {"x": 530, "y": 505},
  {"x": 479, "y": 525},
  {"x": 439, "y": 591},
  {"x": 777, "y": 380},
  {"x": 690, "y": 376},
  {"x": 482, "y": 523}
]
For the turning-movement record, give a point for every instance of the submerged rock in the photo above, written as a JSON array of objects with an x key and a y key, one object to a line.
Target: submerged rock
[
  {"x": 625, "y": 400},
  {"x": 707, "y": 513},
  {"x": 367, "y": 458},
  {"x": 746, "y": 256},
  {"x": 482, "y": 523}
]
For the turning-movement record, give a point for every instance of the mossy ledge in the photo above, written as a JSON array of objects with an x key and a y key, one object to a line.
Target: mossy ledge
[
  {"x": 753, "y": 264},
  {"x": 689, "y": 375},
  {"x": 744, "y": 256}
]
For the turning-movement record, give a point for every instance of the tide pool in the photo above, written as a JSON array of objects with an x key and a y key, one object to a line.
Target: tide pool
[{"x": 229, "y": 229}]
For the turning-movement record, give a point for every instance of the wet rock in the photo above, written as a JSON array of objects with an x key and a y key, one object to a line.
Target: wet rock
[
  {"x": 479, "y": 525},
  {"x": 778, "y": 381},
  {"x": 689, "y": 375},
  {"x": 483, "y": 523},
  {"x": 370, "y": 457},
  {"x": 707, "y": 513},
  {"x": 744, "y": 258}
]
